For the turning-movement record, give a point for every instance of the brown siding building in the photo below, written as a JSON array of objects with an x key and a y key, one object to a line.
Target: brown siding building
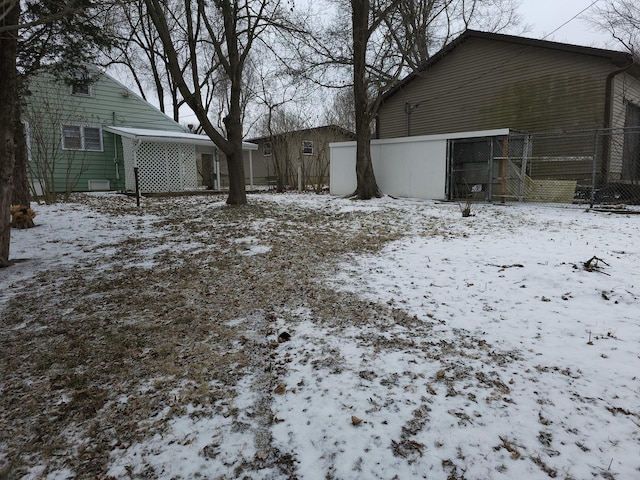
[
  {"x": 484, "y": 81},
  {"x": 279, "y": 155}
]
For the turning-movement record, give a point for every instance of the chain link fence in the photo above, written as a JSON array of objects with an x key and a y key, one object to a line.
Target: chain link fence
[{"x": 585, "y": 167}]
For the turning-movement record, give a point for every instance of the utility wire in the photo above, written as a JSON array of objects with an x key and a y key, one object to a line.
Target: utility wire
[
  {"x": 571, "y": 19},
  {"x": 409, "y": 107}
]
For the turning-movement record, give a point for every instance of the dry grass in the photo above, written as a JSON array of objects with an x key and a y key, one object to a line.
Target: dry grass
[
  {"x": 182, "y": 332},
  {"x": 95, "y": 357}
]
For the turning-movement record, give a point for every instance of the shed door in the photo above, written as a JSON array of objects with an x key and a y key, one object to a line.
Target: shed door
[{"x": 470, "y": 168}]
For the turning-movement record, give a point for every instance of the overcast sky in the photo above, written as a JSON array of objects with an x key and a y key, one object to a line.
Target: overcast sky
[{"x": 546, "y": 15}]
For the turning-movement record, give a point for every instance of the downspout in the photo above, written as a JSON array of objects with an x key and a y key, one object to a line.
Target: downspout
[
  {"x": 115, "y": 155},
  {"x": 115, "y": 147},
  {"x": 408, "y": 110},
  {"x": 608, "y": 114}
]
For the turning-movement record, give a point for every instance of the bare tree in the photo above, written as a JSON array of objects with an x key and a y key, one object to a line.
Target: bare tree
[
  {"x": 280, "y": 102},
  {"x": 138, "y": 52},
  {"x": 421, "y": 27},
  {"x": 45, "y": 122},
  {"x": 621, "y": 18},
  {"x": 388, "y": 39},
  {"x": 278, "y": 125},
  {"x": 54, "y": 34},
  {"x": 223, "y": 33},
  {"x": 341, "y": 110},
  {"x": 315, "y": 167},
  {"x": 365, "y": 20},
  {"x": 20, "y": 195},
  {"x": 9, "y": 17}
]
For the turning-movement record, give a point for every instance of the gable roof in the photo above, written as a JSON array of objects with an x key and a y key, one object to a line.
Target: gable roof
[{"x": 617, "y": 58}]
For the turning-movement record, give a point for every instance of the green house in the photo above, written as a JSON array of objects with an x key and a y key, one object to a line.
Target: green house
[{"x": 88, "y": 136}]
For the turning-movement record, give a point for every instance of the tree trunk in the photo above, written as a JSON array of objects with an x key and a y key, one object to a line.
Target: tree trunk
[
  {"x": 233, "y": 126},
  {"x": 366, "y": 187},
  {"x": 9, "y": 15},
  {"x": 20, "y": 181},
  {"x": 235, "y": 165},
  {"x": 235, "y": 161}
]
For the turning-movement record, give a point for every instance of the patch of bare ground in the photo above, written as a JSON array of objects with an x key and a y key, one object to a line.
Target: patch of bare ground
[{"x": 170, "y": 317}]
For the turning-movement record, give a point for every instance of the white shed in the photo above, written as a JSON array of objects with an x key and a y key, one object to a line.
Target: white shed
[{"x": 418, "y": 167}]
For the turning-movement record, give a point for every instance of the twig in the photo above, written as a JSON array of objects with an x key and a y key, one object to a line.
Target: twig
[{"x": 592, "y": 265}]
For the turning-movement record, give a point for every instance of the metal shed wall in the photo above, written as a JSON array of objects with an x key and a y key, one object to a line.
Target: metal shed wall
[{"x": 405, "y": 167}]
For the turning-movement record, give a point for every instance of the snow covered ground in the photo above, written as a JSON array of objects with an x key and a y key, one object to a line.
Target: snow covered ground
[{"x": 419, "y": 344}]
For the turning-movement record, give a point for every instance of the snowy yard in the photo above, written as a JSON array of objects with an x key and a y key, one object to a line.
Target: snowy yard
[{"x": 313, "y": 337}]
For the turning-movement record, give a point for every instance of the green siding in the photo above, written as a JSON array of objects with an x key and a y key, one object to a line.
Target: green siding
[{"x": 51, "y": 104}]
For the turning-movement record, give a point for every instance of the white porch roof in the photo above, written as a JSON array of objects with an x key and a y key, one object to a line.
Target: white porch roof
[{"x": 168, "y": 136}]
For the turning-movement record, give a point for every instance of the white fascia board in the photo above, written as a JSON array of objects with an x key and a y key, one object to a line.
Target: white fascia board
[
  {"x": 499, "y": 132},
  {"x": 164, "y": 136}
]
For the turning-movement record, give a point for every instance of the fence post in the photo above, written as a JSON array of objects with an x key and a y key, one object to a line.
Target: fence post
[
  {"x": 523, "y": 168},
  {"x": 503, "y": 169}
]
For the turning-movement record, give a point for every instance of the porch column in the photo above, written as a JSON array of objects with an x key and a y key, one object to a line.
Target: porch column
[{"x": 251, "y": 169}]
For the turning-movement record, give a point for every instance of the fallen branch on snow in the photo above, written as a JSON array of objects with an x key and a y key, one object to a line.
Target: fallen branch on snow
[{"x": 592, "y": 265}]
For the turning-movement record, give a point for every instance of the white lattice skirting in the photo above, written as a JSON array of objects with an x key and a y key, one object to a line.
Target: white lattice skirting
[{"x": 162, "y": 167}]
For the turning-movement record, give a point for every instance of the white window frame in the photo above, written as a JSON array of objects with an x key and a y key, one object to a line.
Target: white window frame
[
  {"x": 267, "y": 149},
  {"x": 307, "y": 147},
  {"x": 83, "y": 143}
]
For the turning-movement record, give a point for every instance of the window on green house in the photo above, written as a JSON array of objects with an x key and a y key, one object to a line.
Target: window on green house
[
  {"x": 80, "y": 89},
  {"x": 71, "y": 137},
  {"x": 81, "y": 84},
  {"x": 92, "y": 139},
  {"x": 79, "y": 137}
]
